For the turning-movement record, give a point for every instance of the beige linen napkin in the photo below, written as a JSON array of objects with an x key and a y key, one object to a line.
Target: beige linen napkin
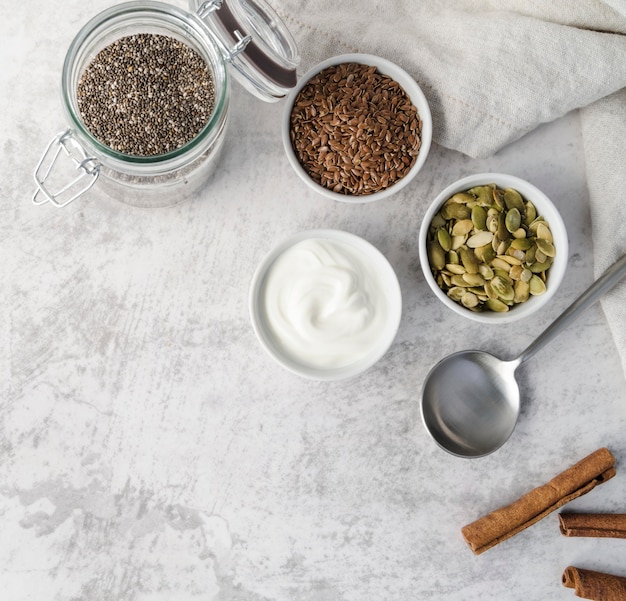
[
  {"x": 604, "y": 137},
  {"x": 493, "y": 71}
]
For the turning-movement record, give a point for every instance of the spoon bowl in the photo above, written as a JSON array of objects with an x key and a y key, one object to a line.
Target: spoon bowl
[
  {"x": 471, "y": 400},
  {"x": 471, "y": 403}
]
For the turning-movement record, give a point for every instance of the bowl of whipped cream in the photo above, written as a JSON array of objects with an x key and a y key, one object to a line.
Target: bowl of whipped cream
[{"x": 325, "y": 304}]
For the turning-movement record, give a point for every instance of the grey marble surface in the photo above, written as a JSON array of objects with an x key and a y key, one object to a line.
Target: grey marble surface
[{"x": 150, "y": 450}]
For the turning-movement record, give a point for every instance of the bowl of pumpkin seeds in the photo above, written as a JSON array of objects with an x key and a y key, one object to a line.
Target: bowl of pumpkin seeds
[{"x": 493, "y": 247}]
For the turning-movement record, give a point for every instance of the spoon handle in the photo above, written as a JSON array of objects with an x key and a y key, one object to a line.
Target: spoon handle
[{"x": 612, "y": 276}]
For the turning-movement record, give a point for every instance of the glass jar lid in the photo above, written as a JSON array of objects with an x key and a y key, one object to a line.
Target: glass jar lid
[{"x": 255, "y": 42}]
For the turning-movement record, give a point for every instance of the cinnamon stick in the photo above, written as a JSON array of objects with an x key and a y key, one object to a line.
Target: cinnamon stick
[
  {"x": 605, "y": 525},
  {"x": 595, "y": 585},
  {"x": 507, "y": 521}
]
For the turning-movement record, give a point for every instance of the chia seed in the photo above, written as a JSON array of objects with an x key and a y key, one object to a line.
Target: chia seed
[{"x": 146, "y": 95}]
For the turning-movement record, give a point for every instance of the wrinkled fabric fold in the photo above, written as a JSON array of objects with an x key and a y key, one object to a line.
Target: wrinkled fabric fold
[
  {"x": 491, "y": 71},
  {"x": 604, "y": 139}
]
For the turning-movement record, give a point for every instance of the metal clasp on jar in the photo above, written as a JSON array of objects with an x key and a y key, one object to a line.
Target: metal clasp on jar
[
  {"x": 89, "y": 168},
  {"x": 227, "y": 19}
]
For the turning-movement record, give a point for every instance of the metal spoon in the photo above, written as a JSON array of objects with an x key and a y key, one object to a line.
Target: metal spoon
[{"x": 471, "y": 400}]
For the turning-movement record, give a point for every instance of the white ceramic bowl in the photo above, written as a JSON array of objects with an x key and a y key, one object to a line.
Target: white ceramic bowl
[
  {"x": 544, "y": 207},
  {"x": 384, "y": 279},
  {"x": 410, "y": 87}
]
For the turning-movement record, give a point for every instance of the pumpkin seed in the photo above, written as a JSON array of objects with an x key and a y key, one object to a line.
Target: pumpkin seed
[
  {"x": 436, "y": 256},
  {"x": 513, "y": 220},
  {"x": 498, "y": 198},
  {"x": 438, "y": 221},
  {"x": 468, "y": 258},
  {"x": 462, "y": 227},
  {"x": 510, "y": 260},
  {"x": 499, "y": 263},
  {"x": 520, "y": 255},
  {"x": 469, "y": 300},
  {"x": 479, "y": 291},
  {"x": 522, "y": 291},
  {"x": 513, "y": 199},
  {"x": 502, "y": 247},
  {"x": 486, "y": 271},
  {"x": 455, "y": 268},
  {"x": 457, "y": 242},
  {"x": 479, "y": 218},
  {"x": 536, "y": 286},
  {"x": 489, "y": 291},
  {"x": 492, "y": 223},
  {"x": 462, "y": 198},
  {"x": 516, "y": 272},
  {"x": 474, "y": 279},
  {"x": 502, "y": 287},
  {"x": 539, "y": 267},
  {"x": 485, "y": 253},
  {"x": 535, "y": 224},
  {"x": 547, "y": 248},
  {"x": 526, "y": 276},
  {"x": 530, "y": 213},
  {"x": 493, "y": 304},
  {"x": 458, "y": 280},
  {"x": 479, "y": 239},
  {"x": 503, "y": 231},
  {"x": 456, "y": 293},
  {"x": 483, "y": 194},
  {"x": 544, "y": 233},
  {"x": 443, "y": 237},
  {"x": 502, "y": 273},
  {"x": 455, "y": 211},
  {"x": 522, "y": 243}
]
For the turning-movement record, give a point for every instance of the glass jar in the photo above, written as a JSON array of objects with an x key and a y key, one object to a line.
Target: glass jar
[{"x": 246, "y": 35}]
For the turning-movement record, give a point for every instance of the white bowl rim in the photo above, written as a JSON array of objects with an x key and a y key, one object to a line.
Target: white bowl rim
[
  {"x": 544, "y": 205},
  {"x": 391, "y": 282},
  {"x": 410, "y": 86}
]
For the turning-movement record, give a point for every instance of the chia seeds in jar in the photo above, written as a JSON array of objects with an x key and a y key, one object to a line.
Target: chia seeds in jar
[{"x": 146, "y": 92}]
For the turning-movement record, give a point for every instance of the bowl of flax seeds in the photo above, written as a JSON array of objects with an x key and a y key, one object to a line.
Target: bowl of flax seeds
[{"x": 357, "y": 128}]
